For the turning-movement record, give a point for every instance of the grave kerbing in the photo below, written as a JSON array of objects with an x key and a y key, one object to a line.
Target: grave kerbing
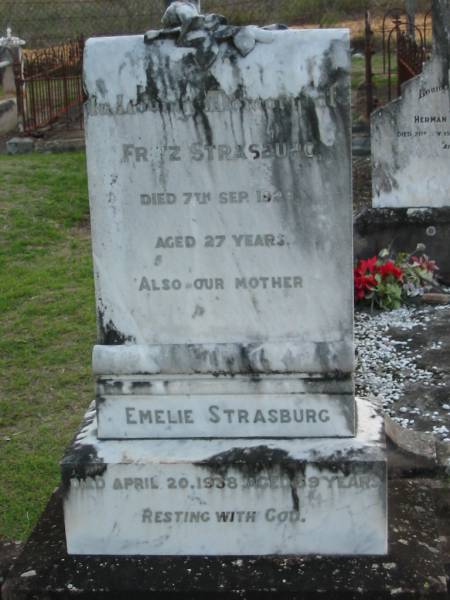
[{"x": 219, "y": 180}]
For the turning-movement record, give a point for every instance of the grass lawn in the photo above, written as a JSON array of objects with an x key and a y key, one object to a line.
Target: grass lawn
[{"x": 47, "y": 326}]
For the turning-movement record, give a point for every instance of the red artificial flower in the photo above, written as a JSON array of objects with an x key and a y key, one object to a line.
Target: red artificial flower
[
  {"x": 366, "y": 266},
  {"x": 389, "y": 268},
  {"x": 424, "y": 263},
  {"x": 364, "y": 277}
]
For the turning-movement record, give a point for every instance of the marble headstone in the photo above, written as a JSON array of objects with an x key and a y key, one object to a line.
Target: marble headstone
[
  {"x": 221, "y": 221},
  {"x": 220, "y": 190},
  {"x": 411, "y": 135}
]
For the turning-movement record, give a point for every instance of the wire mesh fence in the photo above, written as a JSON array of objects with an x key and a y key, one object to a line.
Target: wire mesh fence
[{"x": 47, "y": 22}]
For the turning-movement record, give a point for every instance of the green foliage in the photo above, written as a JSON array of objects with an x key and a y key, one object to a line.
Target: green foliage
[
  {"x": 47, "y": 326},
  {"x": 389, "y": 294}
]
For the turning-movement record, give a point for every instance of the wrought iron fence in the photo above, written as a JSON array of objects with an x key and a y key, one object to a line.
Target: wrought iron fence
[
  {"x": 404, "y": 48},
  {"x": 410, "y": 58},
  {"x": 49, "y": 79},
  {"x": 49, "y": 88}
]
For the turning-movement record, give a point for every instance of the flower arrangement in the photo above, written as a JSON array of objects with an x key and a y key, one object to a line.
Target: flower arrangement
[{"x": 387, "y": 283}]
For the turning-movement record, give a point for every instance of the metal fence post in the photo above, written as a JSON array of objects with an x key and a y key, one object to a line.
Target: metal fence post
[
  {"x": 368, "y": 58},
  {"x": 19, "y": 83}
]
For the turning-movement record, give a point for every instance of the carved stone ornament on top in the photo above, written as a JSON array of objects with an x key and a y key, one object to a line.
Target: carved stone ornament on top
[
  {"x": 11, "y": 41},
  {"x": 191, "y": 29}
]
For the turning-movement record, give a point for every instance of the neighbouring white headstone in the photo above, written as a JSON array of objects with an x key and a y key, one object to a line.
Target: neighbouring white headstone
[{"x": 411, "y": 135}]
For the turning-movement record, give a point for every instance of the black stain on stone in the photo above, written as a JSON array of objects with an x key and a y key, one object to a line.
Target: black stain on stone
[
  {"x": 335, "y": 375},
  {"x": 229, "y": 361},
  {"x": 261, "y": 74},
  {"x": 251, "y": 462},
  {"x": 166, "y": 80},
  {"x": 201, "y": 355},
  {"x": 265, "y": 362},
  {"x": 295, "y": 499},
  {"x": 112, "y": 336},
  {"x": 140, "y": 386},
  {"x": 81, "y": 462},
  {"x": 101, "y": 87},
  {"x": 339, "y": 462},
  {"x": 323, "y": 355},
  {"x": 112, "y": 386},
  {"x": 311, "y": 121},
  {"x": 246, "y": 365},
  {"x": 108, "y": 332},
  {"x": 282, "y": 120},
  {"x": 203, "y": 82}
]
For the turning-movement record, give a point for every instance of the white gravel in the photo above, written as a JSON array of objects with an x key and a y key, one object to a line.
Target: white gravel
[{"x": 385, "y": 366}]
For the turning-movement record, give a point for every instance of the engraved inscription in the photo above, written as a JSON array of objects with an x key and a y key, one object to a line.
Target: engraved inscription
[
  {"x": 214, "y": 102},
  {"x": 232, "y": 516},
  {"x": 430, "y": 119},
  {"x": 214, "y": 201},
  {"x": 264, "y": 481},
  {"x": 247, "y": 240},
  {"x": 424, "y": 92},
  {"x": 223, "y": 198},
  {"x": 235, "y": 416},
  {"x": 218, "y": 283},
  {"x": 132, "y": 154}
]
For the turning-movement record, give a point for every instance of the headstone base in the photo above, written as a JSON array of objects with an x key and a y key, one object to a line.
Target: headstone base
[
  {"x": 20, "y": 145},
  {"x": 227, "y": 497},
  {"x": 414, "y": 567}
]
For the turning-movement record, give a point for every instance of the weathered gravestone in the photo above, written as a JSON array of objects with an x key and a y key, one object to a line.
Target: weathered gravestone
[
  {"x": 411, "y": 135},
  {"x": 219, "y": 177}
]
